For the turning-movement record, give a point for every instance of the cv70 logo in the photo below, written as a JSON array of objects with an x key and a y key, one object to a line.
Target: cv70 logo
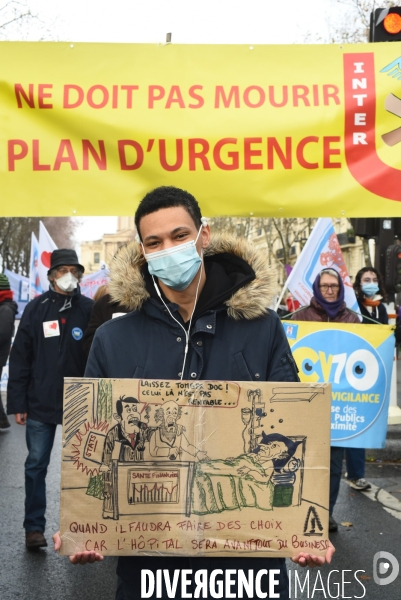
[{"x": 360, "y": 116}]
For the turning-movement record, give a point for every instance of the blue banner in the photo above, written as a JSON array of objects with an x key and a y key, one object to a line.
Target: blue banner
[{"x": 357, "y": 360}]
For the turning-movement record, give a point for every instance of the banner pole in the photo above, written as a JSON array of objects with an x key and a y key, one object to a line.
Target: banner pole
[{"x": 281, "y": 296}]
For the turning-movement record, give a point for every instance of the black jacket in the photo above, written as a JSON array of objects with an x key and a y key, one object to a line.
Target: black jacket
[
  {"x": 233, "y": 335},
  {"x": 102, "y": 311},
  {"x": 8, "y": 310},
  {"x": 38, "y": 364},
  {"x": 379, "y": 314}
]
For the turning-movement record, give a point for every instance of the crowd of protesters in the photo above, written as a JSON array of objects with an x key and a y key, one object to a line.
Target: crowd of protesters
[{"x": 173, "y": 282}]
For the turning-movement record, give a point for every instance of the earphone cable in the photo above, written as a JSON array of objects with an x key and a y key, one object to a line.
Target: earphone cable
[{"x": 174, "y": 319}]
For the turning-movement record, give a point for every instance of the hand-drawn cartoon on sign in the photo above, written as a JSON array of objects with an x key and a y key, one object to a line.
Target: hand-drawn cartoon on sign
[
  {"x": 194, "y": 468},
  {"x": 168, "y": 440}
]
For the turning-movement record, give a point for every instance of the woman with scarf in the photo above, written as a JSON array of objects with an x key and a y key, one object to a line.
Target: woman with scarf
[{"x": 327, "y": 304}]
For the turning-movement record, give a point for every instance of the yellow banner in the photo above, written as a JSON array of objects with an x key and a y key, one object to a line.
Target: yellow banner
[{"x": 308, "y": 131}]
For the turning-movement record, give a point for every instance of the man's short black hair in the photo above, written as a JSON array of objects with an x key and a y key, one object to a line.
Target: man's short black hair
[
  {"x": 166, "y": 197},
  {"x": 122, "y": 400}
]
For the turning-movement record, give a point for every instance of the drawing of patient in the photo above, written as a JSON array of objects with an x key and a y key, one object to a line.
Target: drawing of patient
[
  {"x": 168, "y": 441},
  {"x": 273, "y": 452},
  {"x": 247, "y": 480}
]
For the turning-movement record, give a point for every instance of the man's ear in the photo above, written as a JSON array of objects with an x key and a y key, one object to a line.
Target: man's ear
[
  {"x": 205, "y": 234},
  {"x": 117, "y": 417}
]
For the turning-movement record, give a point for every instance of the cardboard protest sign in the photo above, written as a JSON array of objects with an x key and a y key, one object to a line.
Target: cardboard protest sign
[
  {"x": 195, "y": 468},
  {"x": 358, "y": 363}
]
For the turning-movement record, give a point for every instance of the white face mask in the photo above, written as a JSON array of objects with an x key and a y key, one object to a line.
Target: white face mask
[{"x": 67, "y": 282}]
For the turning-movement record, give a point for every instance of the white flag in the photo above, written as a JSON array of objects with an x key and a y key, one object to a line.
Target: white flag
[
  {"x": 20, "y": 288},
  {"x": 35, "y": 288},
  {"x": 321, "y": 251},
  {"x": 92, "y": 282},
  {"x": 46, "y": 247}
]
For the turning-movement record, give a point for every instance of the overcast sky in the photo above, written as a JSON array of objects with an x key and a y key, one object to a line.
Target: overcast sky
[{"x": 189, "y": 21}]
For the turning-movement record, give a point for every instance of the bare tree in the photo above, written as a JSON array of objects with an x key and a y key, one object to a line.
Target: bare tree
[
  {"x": 13, "y": 13},
  {"x": 283, "y": 238},
  {"x": 353, "y": 21},
  {"x": 15, "y": 239},
  {"x": 62, "y": 230},
  {"x": 18, "y": 21},
  {"x": 15, "y": 243},
  {"x": 238, "y": 226},
  {"x": 289, "y": 239}
]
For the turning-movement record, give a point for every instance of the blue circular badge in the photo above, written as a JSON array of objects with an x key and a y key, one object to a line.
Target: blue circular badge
[
  {"x": 77, "y": 333},
  {"x": 357, "y": 374}
]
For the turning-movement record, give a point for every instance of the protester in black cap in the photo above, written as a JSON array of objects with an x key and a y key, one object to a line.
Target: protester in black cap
[
  {"x": 8, "y": 310},
  {"x": 47, "y": 348}
]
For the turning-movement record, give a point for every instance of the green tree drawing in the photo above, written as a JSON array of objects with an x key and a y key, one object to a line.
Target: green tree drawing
[{"x": 105, "y": 401}]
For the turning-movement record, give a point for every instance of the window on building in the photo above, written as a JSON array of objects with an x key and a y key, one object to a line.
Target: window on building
[{"x": 96, "y": 258}]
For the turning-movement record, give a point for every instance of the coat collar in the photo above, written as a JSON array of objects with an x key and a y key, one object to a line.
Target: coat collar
[{"x": 128, "y": 287}]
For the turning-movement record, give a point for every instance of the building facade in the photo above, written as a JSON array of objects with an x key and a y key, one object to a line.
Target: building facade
[
  {"x": 282, "y": 240},
  {"x": 96, "y": 253}
]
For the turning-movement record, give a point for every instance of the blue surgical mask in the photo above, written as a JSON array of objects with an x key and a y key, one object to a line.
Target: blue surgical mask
[
  {"x": 176, "y": 267},
  {"x": 370, "y": 289}
]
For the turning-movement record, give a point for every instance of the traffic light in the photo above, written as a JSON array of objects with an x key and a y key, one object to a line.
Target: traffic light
[
  {"x": 393, "y": 269},
  {"x": 385, "y": 25}
]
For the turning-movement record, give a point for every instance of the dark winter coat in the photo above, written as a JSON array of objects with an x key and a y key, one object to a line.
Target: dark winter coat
[
  {"x": 233, "y": 337},
  {"x": 315, "y": 312},
  {"x": 8, "y": 310},
  {"x": 102, "y": 311},
  {"x": 379, "y": 314},
  {"x": 38, "y": 364}
]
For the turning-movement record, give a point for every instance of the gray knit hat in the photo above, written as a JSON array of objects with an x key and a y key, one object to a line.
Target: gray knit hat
[{"x": 4, "y": 283}]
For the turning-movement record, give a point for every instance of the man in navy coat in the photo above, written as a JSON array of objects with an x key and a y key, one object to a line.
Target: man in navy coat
[
  {"x": 47, "y": 348},
  {"x": 198, "y": 310}
]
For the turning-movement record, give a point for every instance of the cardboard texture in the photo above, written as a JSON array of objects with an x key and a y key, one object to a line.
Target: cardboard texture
[{"x": 195, "y": 468}]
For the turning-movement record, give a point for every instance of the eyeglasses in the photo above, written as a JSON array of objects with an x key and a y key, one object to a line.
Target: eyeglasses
[
  {"x": 326, "y": 286},
  {"x": 65, "y": 270}
]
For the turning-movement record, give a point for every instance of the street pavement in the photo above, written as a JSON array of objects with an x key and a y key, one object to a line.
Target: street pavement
[
  {"x": 40, "y": 575},
  {"x": 371, "y": 523}
]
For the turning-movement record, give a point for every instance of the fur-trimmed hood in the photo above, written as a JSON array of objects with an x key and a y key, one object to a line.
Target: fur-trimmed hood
[{"x": 127, "y": 285}]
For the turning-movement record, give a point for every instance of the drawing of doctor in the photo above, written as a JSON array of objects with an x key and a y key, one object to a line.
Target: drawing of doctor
[{"x": 168, "y": 441}]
